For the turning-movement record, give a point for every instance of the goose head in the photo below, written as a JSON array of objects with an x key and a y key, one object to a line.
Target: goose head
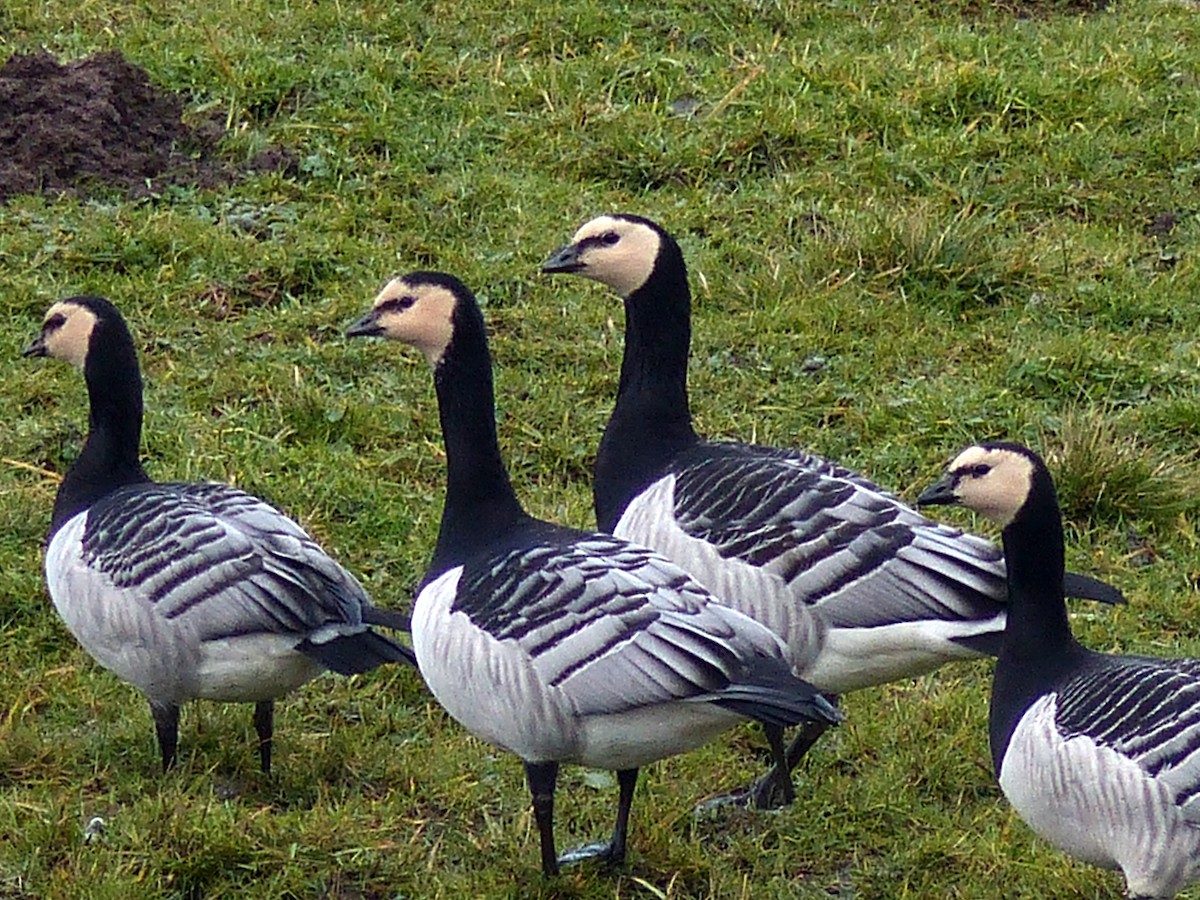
[
  {"x": 995, "y": 479},
  {"x": 620, "y": 251},
  {"x": 418, "y": 309},
  {"x": 70, "y": 327}
]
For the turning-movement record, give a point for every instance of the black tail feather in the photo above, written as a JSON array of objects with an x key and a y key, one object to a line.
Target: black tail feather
[
  {"x": 987, "y": 643},
  {"x": 386, "y": 618},
  {"x": 774, "y": 696},
  {"x": 1084, "y": 587},
  {"x": 353, "y": 654}
]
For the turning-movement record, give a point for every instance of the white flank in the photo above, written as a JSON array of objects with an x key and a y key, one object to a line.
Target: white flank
[
  {"x": 119, "y": 629},
  {"x": 1098, "y": 805},
  {"x": 489, "y": 686},
  {"x": 649, "y": 520},
  {"x": 854, "y": 658}
]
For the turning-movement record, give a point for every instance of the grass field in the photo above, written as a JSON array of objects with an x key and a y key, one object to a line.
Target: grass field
[{"x": 909, "y": 226}]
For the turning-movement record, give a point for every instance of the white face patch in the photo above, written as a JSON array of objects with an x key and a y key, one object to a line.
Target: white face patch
[
  {"x": 617, "y": 252},
  {"x": 67, "y": 331},
  {"x": 993, "y": 482},
  {"x": 418, "y": 314}
]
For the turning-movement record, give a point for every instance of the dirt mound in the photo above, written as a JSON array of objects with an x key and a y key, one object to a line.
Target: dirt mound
[
  {"x": 1018, "y": 9},
  {"x": 99, "y": 122}
]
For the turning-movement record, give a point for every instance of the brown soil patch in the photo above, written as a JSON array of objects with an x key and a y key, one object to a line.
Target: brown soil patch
[
  {"x": 1036, "y": 9},
  {"x": 1020, "y": 9},
  {"x": 99, "y": 123}
]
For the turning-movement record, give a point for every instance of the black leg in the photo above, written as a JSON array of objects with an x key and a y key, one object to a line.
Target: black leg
[
  {"x": 627, "y": 779},
  {"x": 612, "y": 851},
  {"x": 264, "y": 724},
  {"x": 806, "y": 737},
  {"x": 779, "y": 778},
  {"x": 542, "y": 778},
  {"x": 166, "y": 725},
  {"x": 774, "y": 789}
]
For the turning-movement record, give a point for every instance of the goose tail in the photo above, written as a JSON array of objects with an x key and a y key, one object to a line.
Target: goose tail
[
  {"x": 355, "y": 653},
  {"x": 386, "y": 618},
  {"x": 771, "y": 694}
]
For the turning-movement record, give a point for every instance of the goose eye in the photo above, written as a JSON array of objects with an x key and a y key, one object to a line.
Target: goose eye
[
  {"x": 55, "y": 322},
  {"x": 610, "y": 238},
  {"x": 398, "y": 304},
  {"x": 979, "y": 470}
]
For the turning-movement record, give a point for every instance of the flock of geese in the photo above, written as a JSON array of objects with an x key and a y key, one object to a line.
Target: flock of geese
[{"x": 727, "y": 582}]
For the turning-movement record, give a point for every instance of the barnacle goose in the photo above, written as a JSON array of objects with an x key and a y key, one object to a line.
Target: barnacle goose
[
  {"x": 187, "y": 591},
  {"x": 1099, "y": 754},
  {"x": 864, "y": 589},
  {"x": 556, "y": 644}
]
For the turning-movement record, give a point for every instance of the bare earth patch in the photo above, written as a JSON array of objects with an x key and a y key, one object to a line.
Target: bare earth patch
[{"x": 100, "y": 123}]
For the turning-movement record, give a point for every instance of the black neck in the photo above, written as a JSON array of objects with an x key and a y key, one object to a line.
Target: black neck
[
  {"x": 109, "y": 459},
  {"x": 658, "y": 334},
  {"x": 1038, "y": 648},
  {"x": 651, "y": 421},
  {"x": 480, "y": 506},
  {"x": 1033, "y": 556}
]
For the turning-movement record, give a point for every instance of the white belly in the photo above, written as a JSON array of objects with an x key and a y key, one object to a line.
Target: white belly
[
  {"x": 252, "y": 668},
  {"x": 634, "y": 739}
]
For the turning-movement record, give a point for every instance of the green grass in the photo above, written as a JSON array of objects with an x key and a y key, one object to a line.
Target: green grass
[{"x": 909, "y": 226}]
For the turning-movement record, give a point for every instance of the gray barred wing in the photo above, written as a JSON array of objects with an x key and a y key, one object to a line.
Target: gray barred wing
[
  {"x": 615, "y": 626},
  {"x": 838, "y": 541},
  {"x": 1146, "y": 709},
  {"x": 211, "y": 547}
]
